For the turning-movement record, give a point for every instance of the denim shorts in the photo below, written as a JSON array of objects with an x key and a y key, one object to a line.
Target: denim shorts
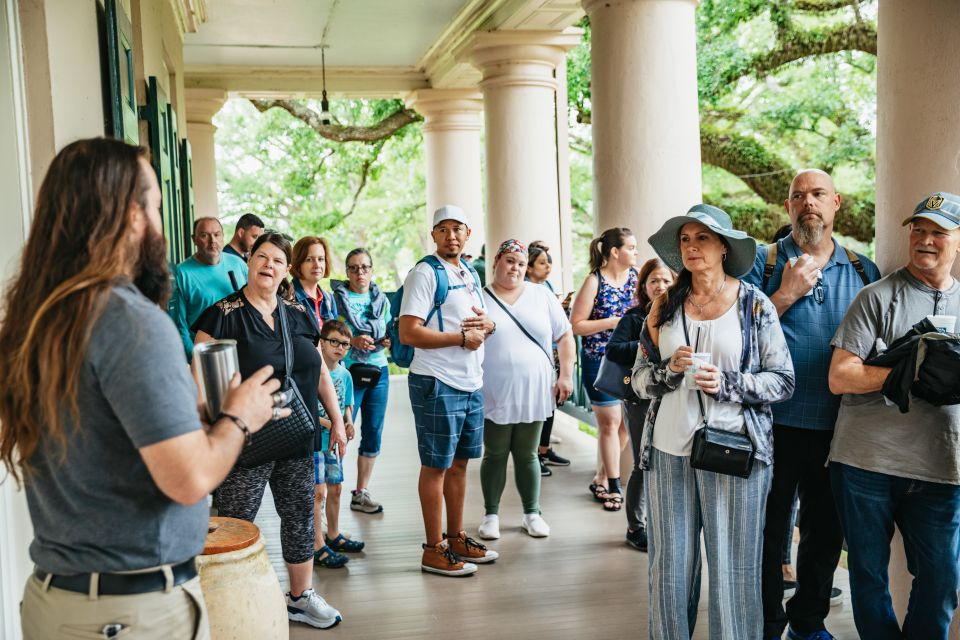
[
  {"x": 589, "y": 367},
  {"x": 449, "y": 421}
]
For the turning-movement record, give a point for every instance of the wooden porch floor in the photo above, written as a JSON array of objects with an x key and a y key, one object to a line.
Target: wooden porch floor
[{"x": 581, "y": 582}]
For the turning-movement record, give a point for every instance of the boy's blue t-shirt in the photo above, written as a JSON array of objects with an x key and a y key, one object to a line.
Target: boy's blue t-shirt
[{"x": 343, "y": 384}]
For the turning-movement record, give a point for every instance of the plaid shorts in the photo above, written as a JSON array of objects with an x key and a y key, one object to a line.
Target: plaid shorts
[{"x": 449, "y": 421}]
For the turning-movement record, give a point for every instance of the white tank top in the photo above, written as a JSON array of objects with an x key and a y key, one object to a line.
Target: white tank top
[{"x": 679, "y": 415}]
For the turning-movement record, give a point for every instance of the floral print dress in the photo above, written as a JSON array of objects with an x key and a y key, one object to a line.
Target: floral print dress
[{"x": 610, "y": 301}]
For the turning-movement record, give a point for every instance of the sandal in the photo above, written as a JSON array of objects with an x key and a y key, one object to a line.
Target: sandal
[
  {"x": 340, "y": 543},
  {"x": 612, "y": 502},
  {"x": 598, "y": 491},
  {"x": 327, "y": 557}
]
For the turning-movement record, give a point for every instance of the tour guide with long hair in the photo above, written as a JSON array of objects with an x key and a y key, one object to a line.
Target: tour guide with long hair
[
  {"x": 251, "y": 316},
  {"x": 708, "y": 310},
  {"x": 94, "y": 381}
]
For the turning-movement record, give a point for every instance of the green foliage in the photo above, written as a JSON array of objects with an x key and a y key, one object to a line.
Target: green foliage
[{"x": 273, "y": 165}]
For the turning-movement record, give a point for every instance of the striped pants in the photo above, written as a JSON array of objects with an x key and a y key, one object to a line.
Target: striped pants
[{"x": 682, "y": 503}]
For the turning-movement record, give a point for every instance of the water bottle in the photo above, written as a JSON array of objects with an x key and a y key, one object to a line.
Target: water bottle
[
  {"x": 332, "y": 471},
  {"x": 216, "y": 362}
]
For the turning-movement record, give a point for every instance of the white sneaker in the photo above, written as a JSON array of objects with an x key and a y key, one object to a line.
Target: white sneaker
[
  {"x": 362, "y": 501},
  {"x": 535, "y": 525},
  {"x": 489, "y": 529},
  {"x": 313, "y": 610}
]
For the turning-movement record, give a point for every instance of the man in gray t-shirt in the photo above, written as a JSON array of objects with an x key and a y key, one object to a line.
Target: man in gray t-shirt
[
  {"x": 101, "y": 410},
  {"x": 898, "y": 469}
]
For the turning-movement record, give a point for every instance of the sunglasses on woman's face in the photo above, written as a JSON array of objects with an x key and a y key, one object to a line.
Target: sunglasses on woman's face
[{"x": 361, "y": 268}]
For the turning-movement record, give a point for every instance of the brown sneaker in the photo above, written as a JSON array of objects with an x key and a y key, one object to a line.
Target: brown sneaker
[
  {"x": 469, "y": 549},
  {"x": 440, "y": 559}
]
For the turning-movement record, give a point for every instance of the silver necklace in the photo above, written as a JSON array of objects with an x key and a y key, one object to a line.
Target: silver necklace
[{"x": 710, "y": 299}]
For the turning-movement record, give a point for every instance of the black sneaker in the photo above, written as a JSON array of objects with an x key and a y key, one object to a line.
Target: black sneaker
[
  {"x": 544, "y": 469},
  {"x": 637, "y": 539},
  {"x": 552, "y": 458}
]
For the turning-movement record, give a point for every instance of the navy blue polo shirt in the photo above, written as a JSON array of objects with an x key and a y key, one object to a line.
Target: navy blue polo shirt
[{"x": 809, "y": 327}]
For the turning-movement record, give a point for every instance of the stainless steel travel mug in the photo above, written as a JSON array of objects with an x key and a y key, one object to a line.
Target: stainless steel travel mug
[{"x": 216, "y": 362}]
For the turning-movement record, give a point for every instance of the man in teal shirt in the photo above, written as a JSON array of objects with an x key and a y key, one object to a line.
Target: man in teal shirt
[{"x": 203, "y": 278}]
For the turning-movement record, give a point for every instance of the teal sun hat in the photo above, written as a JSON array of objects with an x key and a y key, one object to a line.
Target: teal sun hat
[
  {"x": 940, "y": 208},
  {"x": 742, "y": 248}
]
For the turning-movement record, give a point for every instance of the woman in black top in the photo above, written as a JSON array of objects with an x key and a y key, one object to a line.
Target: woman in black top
[
  {"x": 654, "y": 279},
  {"x": 251, "y": 317}
]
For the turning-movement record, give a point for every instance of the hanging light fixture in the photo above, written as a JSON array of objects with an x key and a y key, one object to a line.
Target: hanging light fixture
[{"x": 325, "y": 117}]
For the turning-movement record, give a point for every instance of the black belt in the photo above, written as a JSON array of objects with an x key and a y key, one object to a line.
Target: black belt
[{"x": 123, "y": 584}]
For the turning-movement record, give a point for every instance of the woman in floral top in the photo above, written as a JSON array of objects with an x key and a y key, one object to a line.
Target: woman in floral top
[
  {"x": 742, "y": 366},
  {"x": 607, "y": 293}
]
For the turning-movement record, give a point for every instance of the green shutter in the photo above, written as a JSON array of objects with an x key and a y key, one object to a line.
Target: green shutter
[
  {"x": 176, "y": 203},
  {"x": 122, "y": 91},
  {"x": 155, "y": 112},
  {"x": 186, "y": 193}
]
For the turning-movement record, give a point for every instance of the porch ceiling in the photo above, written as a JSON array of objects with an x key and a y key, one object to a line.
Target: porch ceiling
[{"x": 375, "y": 48}]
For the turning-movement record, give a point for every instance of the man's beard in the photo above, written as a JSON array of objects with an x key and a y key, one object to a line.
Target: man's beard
[
  {"x": 810, "y": 230},
  {"x": 152, "y": 273}
]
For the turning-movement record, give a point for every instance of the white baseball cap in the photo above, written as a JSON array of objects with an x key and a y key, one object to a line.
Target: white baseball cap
[{"x": 450, "y": 212}]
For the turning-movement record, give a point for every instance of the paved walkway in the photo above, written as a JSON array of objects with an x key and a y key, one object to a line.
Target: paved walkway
[{"x": 581, "y": 582}]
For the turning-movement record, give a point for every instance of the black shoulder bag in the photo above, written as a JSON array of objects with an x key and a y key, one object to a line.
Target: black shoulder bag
[
  {"x": 717, "y": 450},
  {"x": 287, "y": 437}
]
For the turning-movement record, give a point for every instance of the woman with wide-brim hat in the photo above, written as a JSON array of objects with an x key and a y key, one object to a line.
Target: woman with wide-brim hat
[{"x": 708, "y": 310}]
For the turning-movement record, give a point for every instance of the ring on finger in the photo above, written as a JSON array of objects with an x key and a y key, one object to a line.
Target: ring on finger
[{"x": 276, "y": 413}]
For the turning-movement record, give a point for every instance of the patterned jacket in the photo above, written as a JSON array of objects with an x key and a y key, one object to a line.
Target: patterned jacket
[{"x": 765, "y": 376}]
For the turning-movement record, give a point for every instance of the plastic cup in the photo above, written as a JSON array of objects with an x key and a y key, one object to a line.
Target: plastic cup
[
  {"x": 699, "y": 359},
  {"x": 944, "y": 324}
]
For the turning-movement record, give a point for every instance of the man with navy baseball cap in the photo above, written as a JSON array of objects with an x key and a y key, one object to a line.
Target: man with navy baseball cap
[{"x": 890, "y": 468}]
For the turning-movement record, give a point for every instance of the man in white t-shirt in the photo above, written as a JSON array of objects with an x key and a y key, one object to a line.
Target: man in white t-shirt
[{"x": 444, "y": 382}]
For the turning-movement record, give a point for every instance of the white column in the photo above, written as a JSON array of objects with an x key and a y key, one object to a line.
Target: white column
[
  {"x": 918, "y": 120},
  {"x": 565, "y": 250},
  {"x": 918, "y": 149},
  {"x": 646, "y": 128},
  {"x": 202, "y": 105},
  {"x": 519, "y": 97},
  {"x": 451, "y": 139}
]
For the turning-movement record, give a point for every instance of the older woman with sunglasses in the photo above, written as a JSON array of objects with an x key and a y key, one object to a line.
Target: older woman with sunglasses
[
  {"x": 742, "y": 365},
  {"x": 365, "y": 309}
]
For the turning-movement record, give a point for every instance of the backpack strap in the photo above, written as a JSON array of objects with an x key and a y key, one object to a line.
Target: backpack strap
[
  {"x": 440, "y": 293},
  {"x": 770, "y": 264},
  {"x": 476, "y": 280},
  {"x": 855, "y": 261}
]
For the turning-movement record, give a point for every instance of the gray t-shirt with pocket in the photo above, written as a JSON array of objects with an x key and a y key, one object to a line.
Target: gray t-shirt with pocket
[
  {"x": 98, "y": 508},
  {"x": 923, "y": 444}
]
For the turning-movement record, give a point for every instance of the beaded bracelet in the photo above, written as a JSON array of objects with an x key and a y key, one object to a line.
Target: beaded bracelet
[{"x": 247, "y": 437}]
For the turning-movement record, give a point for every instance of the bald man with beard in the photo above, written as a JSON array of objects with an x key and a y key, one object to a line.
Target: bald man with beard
[{"x": 811, "y": 279}]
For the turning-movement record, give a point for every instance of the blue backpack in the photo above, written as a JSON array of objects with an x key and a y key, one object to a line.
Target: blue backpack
[{"x": 401, "y": 353}]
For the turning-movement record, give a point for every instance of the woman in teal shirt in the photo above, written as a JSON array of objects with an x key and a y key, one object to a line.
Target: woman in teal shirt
[{"x": 365, "y": 309}]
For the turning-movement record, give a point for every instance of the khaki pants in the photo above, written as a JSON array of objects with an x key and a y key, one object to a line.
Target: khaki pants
[{"x": 51, "y": 614}]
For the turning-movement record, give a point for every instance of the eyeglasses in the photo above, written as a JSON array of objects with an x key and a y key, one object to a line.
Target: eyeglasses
[
  {"x": 337, "y": 344},
  {"x": 360, "y": 268}
]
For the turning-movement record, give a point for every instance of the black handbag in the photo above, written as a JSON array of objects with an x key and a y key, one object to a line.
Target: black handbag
[
  {"x": 614, "y": 379},
  {"x": 365, "y": 376},
  {"x": 716, "y": 450},
  {"x": 287, "y": 437}
]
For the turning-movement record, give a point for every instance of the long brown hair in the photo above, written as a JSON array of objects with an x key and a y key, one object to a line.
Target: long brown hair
[
  {"x": 77, "y": 250},
  {"x": 600, "y": 247}
]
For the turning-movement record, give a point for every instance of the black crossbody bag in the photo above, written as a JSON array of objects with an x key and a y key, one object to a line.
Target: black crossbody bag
[
  {"x": 717, "y": 450},
  {"x": 287, "y": 437}
]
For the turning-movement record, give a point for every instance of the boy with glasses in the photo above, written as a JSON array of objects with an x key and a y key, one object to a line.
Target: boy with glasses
[{"x": 328, "y": 474}]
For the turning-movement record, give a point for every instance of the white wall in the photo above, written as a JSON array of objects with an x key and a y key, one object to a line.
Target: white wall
[
  {"x": 15, "y": 529},
  {"x": 74, "y": 57}
]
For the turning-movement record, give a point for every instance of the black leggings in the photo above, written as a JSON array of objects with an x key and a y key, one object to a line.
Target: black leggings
[
  {"x": 291, "y": 482},
  {"x": 546, "y": 431}
]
